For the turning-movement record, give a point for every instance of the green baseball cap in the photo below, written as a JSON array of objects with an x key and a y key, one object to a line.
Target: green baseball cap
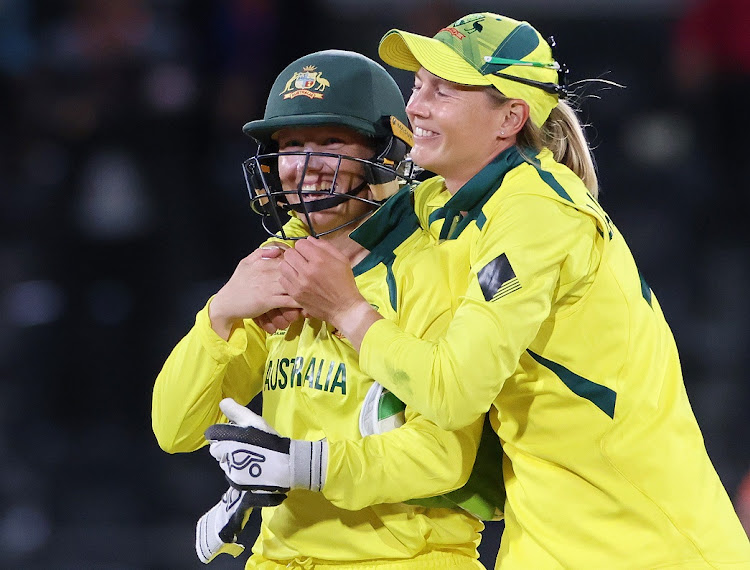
[
  {"x": 484, "y": 49},
  {"x": 334, "y": 87}
]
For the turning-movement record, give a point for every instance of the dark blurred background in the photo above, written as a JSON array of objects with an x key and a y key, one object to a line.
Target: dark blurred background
[{"x": 123, "y": 207}]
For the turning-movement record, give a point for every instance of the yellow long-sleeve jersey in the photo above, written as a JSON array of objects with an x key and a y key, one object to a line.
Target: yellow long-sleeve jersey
[
  {"x": 313, "y": 388},
  {"x": 562, "y": 338}
]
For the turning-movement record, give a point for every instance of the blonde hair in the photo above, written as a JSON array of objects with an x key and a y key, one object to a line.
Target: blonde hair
[{"x": 563, "y": 134}]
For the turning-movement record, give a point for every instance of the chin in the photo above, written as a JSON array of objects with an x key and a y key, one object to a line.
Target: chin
[{"x": 422, "y": 159}]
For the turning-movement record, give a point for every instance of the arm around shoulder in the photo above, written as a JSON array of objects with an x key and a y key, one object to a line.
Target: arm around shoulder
[{"x": 416, "y": 460}]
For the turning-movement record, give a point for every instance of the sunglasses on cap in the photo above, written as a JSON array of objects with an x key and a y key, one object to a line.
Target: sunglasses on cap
[{"x": 560, "y": 88}]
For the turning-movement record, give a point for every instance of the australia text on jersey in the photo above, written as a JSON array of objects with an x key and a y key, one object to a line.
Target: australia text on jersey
[{"x": 316, "y": 374}]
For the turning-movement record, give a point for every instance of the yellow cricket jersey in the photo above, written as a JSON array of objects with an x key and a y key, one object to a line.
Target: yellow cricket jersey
[
  {"x": 313, "y": 388},
  {"x": 562, "y": 338}
]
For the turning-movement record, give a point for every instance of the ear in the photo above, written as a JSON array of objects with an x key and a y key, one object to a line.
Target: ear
[{"x": 514, "y": 117}]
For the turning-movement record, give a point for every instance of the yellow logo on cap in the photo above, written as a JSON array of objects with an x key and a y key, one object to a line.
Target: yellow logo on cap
[
  {"x": 401, "y": 131},
  {"x": 307, "y": 82}
]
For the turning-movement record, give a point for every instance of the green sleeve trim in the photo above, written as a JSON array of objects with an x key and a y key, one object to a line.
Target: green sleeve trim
[
  {"x": 601, "y": 396},
  {"x": 549, "y": 178},
  {"x": 645, "y": 290},
  {"x": 390, "y": 279},
  {"x": 390, "y": 226}
]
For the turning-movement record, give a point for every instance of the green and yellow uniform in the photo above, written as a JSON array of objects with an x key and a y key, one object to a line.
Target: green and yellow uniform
[
  {"x": 313, "y": 388},
  {"x": 560, "y": 337}
]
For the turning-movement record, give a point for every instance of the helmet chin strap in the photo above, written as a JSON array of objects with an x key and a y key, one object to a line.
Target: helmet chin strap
[{"x": 325, "y": 203}]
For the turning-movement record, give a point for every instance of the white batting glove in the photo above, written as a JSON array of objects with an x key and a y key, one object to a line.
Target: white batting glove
[
  {"x": 216, "y": 531},
  {"x": 254, "y": 456}
]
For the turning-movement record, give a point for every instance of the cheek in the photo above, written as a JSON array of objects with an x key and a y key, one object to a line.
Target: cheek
[{"x": 287, "y": 169}]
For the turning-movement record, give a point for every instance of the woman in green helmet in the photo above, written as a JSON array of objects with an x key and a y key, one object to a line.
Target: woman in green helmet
[{"x": 329, "y": 146}]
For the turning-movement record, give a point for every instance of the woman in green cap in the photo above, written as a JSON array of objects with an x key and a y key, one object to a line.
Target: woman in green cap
[{"x": 556, "y": 333}]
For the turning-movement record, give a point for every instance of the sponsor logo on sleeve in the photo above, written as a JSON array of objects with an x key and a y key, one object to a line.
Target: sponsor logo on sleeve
[{"x": 497, "y": 279}]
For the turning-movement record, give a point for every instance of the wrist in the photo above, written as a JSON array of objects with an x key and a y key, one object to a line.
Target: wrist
[
  {"x": 221, "y": 323},
  {"x": 308, "y": 463},
  {"x": 355, "y": 321}
]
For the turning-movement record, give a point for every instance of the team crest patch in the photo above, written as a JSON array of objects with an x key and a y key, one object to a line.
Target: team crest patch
[
  {"x": 309, "y": 82},
  {"x": 497, "y": 279}
]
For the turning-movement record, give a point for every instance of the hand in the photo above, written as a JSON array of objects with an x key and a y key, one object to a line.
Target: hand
[
  {"x": 254, "y": 456},
  {"x": 216, "y": 531},
  {"x": 277, "y": 319},
  {"x": 320, "y": 279},
  {"x": 252, "y": 291}
]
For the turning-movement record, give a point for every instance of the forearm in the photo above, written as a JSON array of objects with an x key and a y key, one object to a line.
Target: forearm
[
  {"x": 414, "y": 461},
  {"x": 453, "y": 380},
  {"x": 200, "y": 371},
  {"x": 178, "y": 395}
]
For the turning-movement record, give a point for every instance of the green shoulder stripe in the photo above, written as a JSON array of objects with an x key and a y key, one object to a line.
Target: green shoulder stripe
[{"x": 549, "y": 179}]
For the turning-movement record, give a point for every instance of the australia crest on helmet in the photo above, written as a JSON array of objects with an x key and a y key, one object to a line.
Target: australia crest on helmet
[{"x": 309, "y": 83}]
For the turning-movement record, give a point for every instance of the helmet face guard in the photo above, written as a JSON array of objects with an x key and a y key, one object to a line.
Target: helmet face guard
[{"x": 380, "y": 175}]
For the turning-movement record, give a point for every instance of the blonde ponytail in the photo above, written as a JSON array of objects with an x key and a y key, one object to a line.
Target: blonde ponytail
[{"x": 563, "y": 134}]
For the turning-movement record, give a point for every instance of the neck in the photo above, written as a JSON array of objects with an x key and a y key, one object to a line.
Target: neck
[
  {"x": 350, "y": 248},
  {"x": 453, "y": 185},
  {"x": 454, "y": 182}
]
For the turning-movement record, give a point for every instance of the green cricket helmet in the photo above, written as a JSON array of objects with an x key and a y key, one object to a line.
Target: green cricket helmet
[{"x": 329, "y": 88}]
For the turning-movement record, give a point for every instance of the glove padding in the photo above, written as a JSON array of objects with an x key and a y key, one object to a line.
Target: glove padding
[
  {"x": 216, "y": 531},
  {"x": 381, "y": 411},
  {"x": 254, "y": 456}
]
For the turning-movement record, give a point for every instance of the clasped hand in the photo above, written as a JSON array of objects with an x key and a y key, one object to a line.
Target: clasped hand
[
  {"x": 319, "y": 277},
  {"x": 276, "y": 284},
  {"x": 254, "y": 292}
]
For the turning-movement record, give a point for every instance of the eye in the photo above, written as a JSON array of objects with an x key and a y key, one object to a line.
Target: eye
[
  {"x": 290, "y": 144},
  {"x": 333, "y": 144},
  {"x": 442, "y": 91}
]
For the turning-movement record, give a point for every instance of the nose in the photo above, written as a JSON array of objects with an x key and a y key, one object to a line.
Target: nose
[
  {"x": 315, "y": 162},
  {"x": 416, "y": 106},
  {"x": 301, "y": 165}
]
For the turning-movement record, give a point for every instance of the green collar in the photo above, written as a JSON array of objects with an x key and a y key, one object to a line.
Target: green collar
[
  {"x": 385, "y": 230},
  {"x": 474, "y": 194}
]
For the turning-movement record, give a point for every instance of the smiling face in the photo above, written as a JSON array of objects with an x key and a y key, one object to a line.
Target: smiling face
[
  {"x": 316, "y": 181},
  {"x": 458, "y": 129}
]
